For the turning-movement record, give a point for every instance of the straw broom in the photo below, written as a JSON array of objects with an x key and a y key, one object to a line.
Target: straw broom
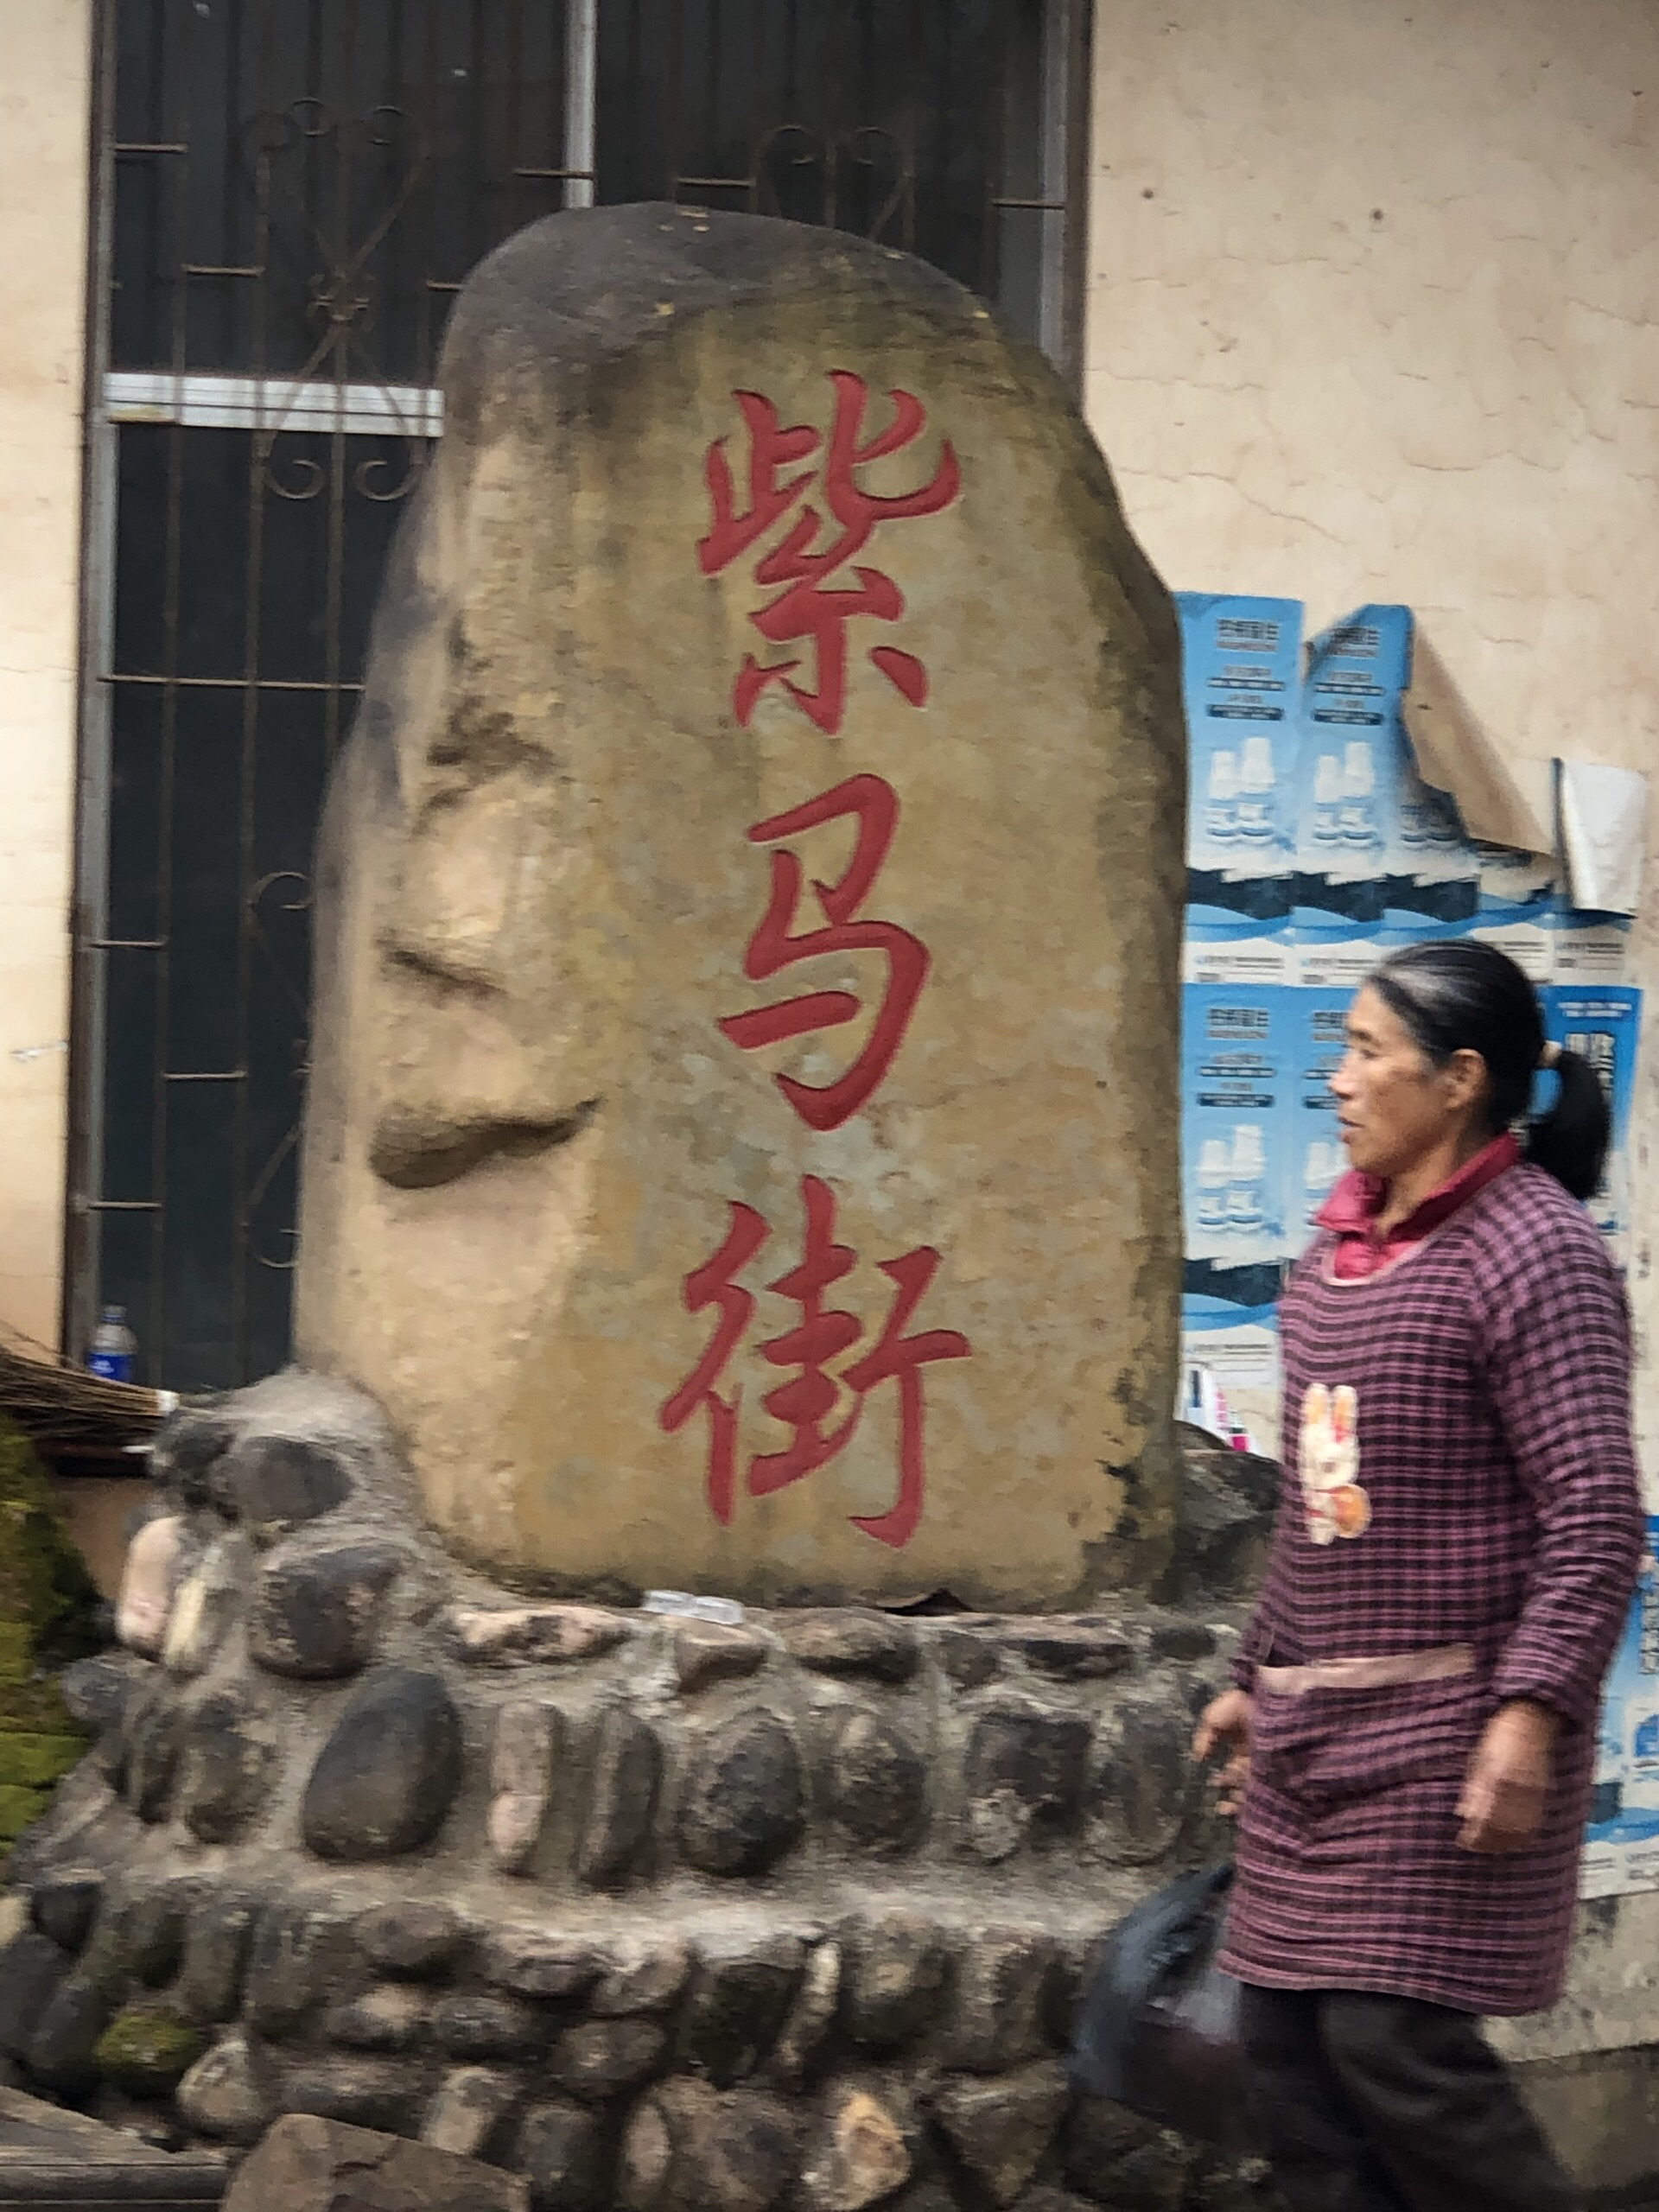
[{"x": 48, "y": 1398}]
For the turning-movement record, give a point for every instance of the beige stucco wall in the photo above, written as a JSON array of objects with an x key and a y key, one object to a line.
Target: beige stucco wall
[
  {"x": 1371, "y": 317},
  {"x": 44, "y": 111}
]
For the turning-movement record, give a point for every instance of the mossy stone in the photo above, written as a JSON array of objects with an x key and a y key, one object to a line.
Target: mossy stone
[
  {"x": 148, "y": 2050},
  {"x": 45, "y": 1588},
  {"x": 50, "y": 1613},
  {"x": 18, "y": 1807},
  {"x": 36, "y": 1761}
]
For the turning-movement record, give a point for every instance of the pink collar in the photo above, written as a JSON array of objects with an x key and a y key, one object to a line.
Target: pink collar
[{"x": 1350, "y": 1212}]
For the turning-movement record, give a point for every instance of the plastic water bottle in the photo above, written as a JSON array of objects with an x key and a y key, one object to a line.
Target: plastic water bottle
[
  {"x": 114, "y": 1347},
  {"x": 1255, "y": 781},
  {"x": 1221, "y": 799}
]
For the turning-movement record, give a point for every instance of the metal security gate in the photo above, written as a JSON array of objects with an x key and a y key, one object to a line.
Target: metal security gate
[{"x": 290, "y": 193}]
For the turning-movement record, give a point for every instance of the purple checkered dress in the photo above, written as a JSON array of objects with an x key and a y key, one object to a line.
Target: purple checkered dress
[{"x": 1463, "y": 1421}]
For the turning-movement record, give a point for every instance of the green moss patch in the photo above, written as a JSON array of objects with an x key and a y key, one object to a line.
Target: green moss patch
[
  {"x": 148, "y": 2050},
  {"x": 49, "y": 1614}
]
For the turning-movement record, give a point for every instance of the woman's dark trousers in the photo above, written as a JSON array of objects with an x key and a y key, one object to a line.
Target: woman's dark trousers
[{"x": 1385, "y": 2104}]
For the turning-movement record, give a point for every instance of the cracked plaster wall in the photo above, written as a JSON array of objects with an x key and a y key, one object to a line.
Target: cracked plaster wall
[
  {"x": 45, "y": 58},
  {"x": 1371, "y": 317}
]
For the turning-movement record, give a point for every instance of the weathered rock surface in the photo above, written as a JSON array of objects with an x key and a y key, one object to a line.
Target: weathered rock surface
[
  {"x": 417, "y": 1940},
  {"x": 272, "y": 1483},
  {"x": 156, "y": 1559},
  {"x": 496, "y": 1204},
  {"x": 315, "y": 1612},
  {"x": 745, "y": 1806},
  {"x": 295, "y": 1958},
  {"x": 565, "y": 2150},
  {"x": 860, "y": 2157},
  {"x": 64, "y": 1904},
  {"x": 225, "y": 1766},
  {"x": 387, "y": 1775},
  {"x": 876, "y": 1781},
  {"x": 710, "y": 1652},
  {"x": 524, "y": 1756},
  {"x": 736, "y": 2007},
  {"x": 311, "y": 2164},
  {"x": 627, "y": 1775},
  {"x": 851, "y": 1643},
  {"x": 687, "y": 2145},
  {"x": 1000, "y": 2129},
  {"x": 227, "y": 2095},
  {"x": 898, "y": 1975},
  {"x": 216, "y": 1945},
  {"x": 468, "y": 2109},
  {"x": 525, "y": 1636},
  {"x": 532, "y": 1963}
]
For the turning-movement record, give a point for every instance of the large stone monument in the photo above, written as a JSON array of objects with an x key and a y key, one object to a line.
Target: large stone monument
[
  {"x": 741, "y": 1146},
  {"x": 742, "y": 1158}
]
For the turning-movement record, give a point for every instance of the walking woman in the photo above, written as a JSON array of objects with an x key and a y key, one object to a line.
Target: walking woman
[{"x": 1413, "y": 1728}]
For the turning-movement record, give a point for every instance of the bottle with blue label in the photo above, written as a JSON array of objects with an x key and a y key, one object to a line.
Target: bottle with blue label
[
  {"x": 1326, "y": 826},
  {"x": 1642, "y": 1748},
  {"x": 1257, "y": 810},
  {"x": 114, "y": 1348},
  {"x": 1215, "y": 1174},
  {"x": 1358, "y": 814},
  {"x": 1246, "y": 1193},
  {"x": 1220, "y": 797}
]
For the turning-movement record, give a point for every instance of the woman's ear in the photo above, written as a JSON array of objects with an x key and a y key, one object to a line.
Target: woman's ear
[{"x": 1466, "y": 1079}]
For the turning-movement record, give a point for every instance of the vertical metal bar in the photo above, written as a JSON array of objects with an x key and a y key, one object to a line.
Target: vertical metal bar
[
  {"x": 252, "y": 647},
  {"x": 1080, "y": 175},
  {"x": 581, "y": 101},
  {"x": 673, "y": 88},
  {"x": 82, "y": 1229},
  {"x": 156, "y": 1344}
]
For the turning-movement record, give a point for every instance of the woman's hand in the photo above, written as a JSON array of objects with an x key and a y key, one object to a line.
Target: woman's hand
[
  {"x": 1225, "y": 1724},
  {"x": 1506, "y": 1787}
]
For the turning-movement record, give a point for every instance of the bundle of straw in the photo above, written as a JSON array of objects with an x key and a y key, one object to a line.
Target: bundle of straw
[{"x": 49, "y": 1399}]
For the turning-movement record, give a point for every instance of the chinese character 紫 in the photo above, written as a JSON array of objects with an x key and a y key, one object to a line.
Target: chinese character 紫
[{"x": 806, "y": 609}]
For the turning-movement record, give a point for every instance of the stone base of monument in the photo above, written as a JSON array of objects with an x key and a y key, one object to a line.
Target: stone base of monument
[{"x": 791, "y": 1910}]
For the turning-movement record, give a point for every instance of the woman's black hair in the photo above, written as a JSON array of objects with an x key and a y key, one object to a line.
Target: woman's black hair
[{"x": 1466, "y": 996}]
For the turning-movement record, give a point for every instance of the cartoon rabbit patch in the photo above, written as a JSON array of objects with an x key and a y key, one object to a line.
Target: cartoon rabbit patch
[{"x": 1337, "y": 1506}]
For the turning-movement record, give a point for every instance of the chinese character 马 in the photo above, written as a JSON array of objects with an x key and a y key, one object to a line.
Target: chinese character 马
[{"x": 874, "y": 806}]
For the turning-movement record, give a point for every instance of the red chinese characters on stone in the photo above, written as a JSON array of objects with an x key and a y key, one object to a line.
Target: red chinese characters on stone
[
  {"x": 874, "y": 806},
  {"x": 804, "y": 1403},
  {"x": 807, "y": 609}
]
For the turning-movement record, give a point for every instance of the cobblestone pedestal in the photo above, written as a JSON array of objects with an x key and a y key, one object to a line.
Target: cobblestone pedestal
[{"x": 787, "y": 1911}]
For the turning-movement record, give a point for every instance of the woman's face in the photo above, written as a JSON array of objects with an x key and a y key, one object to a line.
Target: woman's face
[{"x": 1394, "y": 1105}]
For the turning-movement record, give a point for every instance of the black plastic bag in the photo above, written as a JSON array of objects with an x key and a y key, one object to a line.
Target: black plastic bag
[{"x": 1157, "y": 2028}]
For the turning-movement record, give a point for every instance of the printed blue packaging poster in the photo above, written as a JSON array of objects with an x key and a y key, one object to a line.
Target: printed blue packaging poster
[
  {"x": 1315, "y": 1157},
  {"x": 1241, "y": 678},
  {"x": 1236, "y": 1065},
  {"x": 1238, "y": 1345},
  {"x": 1348, "y": 764},
  {"x": 1603, "y": 1024},
  {"x": 1621, "y": 1844}
]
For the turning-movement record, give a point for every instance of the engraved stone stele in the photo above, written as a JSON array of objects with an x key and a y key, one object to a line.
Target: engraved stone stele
[{"x": 742, "y": 1144}]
